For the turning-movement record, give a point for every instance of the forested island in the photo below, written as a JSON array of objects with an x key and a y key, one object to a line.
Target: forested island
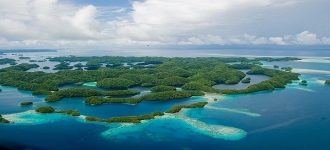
[{"x": 116, "y": 75}]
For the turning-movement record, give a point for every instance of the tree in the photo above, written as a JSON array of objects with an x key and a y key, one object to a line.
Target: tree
[{"x": 45, "y": 109}]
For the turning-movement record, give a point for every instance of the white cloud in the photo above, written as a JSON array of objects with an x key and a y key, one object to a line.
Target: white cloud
[
  {"x": 173, "y": 17},
  {"x": 326, "y": 40},
  {"x": 48, "y": 19},
  {"x": 277, "y": 40},
  {"x": 306, "y": 38},
  {"x": 183, "y": 22},
  {"x": 284, "y": 4}
]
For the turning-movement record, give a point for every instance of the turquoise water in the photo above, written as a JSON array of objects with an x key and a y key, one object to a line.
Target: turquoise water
[{"x": 297, "y": 117}]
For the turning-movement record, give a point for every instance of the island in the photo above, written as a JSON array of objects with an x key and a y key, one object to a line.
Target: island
[
  {"x": 3, "y": 120},
  {"x": 303, "y": 82},
  {"x": 26, "y": 103},
  {"x": 115, "y": 80},
  {"x": 45, "y": 67},
  {"x": 45, "y": 109},
  {"x": 327, "y": 82},
  {"x": 246, "y": 80}
]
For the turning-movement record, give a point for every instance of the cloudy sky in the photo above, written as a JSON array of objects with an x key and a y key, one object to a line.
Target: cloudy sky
[{"x": 80, "y": 23}]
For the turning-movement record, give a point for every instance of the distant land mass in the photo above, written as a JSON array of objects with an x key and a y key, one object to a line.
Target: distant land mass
[{"x": 25, "y": 50}]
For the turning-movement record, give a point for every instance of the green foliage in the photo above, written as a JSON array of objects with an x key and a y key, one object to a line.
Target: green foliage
[
  {"x": 45, "y": 109},
  {"x": 173, "y": 81},
  {"x": 82, "y": 92},
  {"x": 241, "y": 66},
  {"x": 69, "y": 112},
  {"x": 7, "y": 61},
  {"x": 190, "y": 73},
  {"x": 20, "y": 67},
  {"x": 26, "y": 103},
  {"x": 78, "y": 65},
  {"x": 246, "y": 80},
  {"x": 327, "y": 82},
  {"x": 93, "y": 65},
  {"x": 125, "y": 119},
  {"x": 288, "y": 69},
  {"x": 160, "y": 96},
  {"x": 3, "y": 120},
  {"x": 169, "y": 95},
  {"x": 120, "y": 93},
  {"x": 45, "y": 67},
  {"x": 162, "y": 88},
  {"x": 73, "y": 92},
  {"x": 303, "y": 82},
  {"x": 115, "y": 83},
  {"x": 195, "y": 85},
  {"x": 63, "y": 65},
  {"x": 275, "y": 66},
  {"x": 177, "y": 108},
  {"x": 36, "y": 86}
]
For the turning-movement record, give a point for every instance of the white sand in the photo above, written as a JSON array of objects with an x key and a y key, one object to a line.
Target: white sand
[
  {"x": 215, "y": 131},
  {"x": 239, "y": 111},
  {"x": 297, "y": 70}
]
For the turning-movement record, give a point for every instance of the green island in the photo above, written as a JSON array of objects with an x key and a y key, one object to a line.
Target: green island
[
  {"x": 159, "y": 96},
  {"x": 45, "y": 67},
  {"x": 327, "y": 82},
  {"x": 7, "y": 61},
  {"x": 26, "y": 103},
  {"x": 49, "y": 109},
  {"x": 163, "y": 75},
  {"x": 246, "y": 80},
  {"x": 45, "y": 109},
  {"x": 303, "y": 82},
  {"x": 177, "y": 108},
  {"x": 3, "y": 120}
]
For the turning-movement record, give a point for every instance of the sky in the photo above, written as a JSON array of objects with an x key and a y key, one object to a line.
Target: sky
[{"x": 88, "y": 23}]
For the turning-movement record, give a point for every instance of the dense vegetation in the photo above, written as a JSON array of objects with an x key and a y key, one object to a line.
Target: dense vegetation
[
  {"x": 162, "y": 88},
  {"x": 3, "y": 120},
  {"x": 45, "y": 109},
  {"x": 26, "y": 103},
  {"x": 246, "y": 80},
  {"x": 20, "y": 67},
  {"x": 45, "y": 67},
  {"x": 69, "y": 112},
  {"x": 327, "y": 82},
  {"x": 159, "y": 96},
  {"x": 177, "y": 108},
  {"x": 115, "y": 83},
  {"x": 126, "y": 119},
  {"x": 194, "y": 75},
  {"x": 7, "y": 61},
  {"x": 82, "y": 92},
  {"x": 303, "y": 82},
  {"x": 165, "y": 74}
]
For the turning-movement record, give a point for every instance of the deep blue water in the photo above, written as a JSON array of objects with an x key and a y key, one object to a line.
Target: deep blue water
[{"x": 297, "y": 117}]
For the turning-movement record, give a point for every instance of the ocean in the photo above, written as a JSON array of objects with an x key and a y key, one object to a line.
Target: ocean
[{"x": 297, "y": 117}]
